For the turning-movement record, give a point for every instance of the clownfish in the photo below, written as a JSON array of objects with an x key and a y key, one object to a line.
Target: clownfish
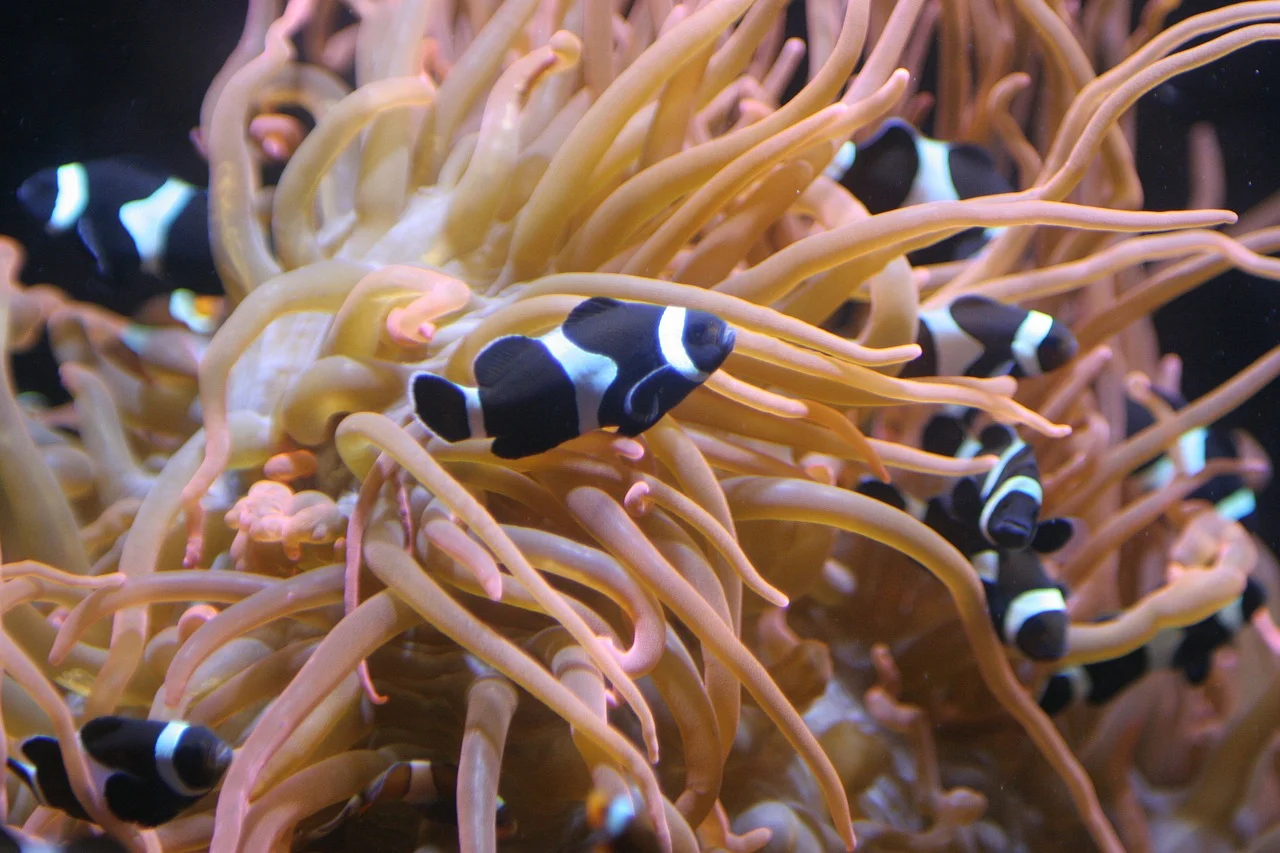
[
  {"x": 1005, "y": 505},
  {"x": 1188, "y": 650},
  {"x": 1026, "y": 605},
  {"x": 977, "y": 336},
  {"x": 148, "y": 770},
  {"x": 611, "y": 363},
  {"x": 13, "y": 841},
  {"x": 430, "y": 786},
  {"x": 899, "y": 166},
  {"x": 1230, "y": 496},
  {"x": 131, "y": 219},
  {"x": 613, "y": 825}
]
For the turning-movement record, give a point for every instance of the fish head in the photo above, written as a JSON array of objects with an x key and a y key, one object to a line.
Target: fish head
[
  {"x": 707, "y": 339},
  {"x": 39, "y": 194},
  {"x": 1058, "y": 347},
  {"x": 201, "y": 758}
]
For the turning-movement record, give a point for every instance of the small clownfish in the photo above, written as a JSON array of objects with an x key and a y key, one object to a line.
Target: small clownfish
[
  {"x": 430, "y": 786},
  {"x": 1005, "y": 505},
  {"x": 1188, "y": 650},
  {"x": 13, "y": 841},
  {"x": 899, "y": 167},
  {"x": 614, "y": 826},
  {"x": 977, "y": 336},
  {"x": 131, "y": 219},
  {"x": 1230, "y": 496},
  {"x": 1026, "y": 605},
  {"x": 611, "y": 363},
  {"x": 148, "y": 770}
]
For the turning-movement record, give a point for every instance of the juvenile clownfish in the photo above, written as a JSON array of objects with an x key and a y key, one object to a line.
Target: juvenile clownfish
[
  {"x": 430, "y": 786},
  {"x": 148, "y": 770},
  {"x": 1230, "y": 496},
  {"x": 1005, "y": 504},
  {"x": 611, "y": 363},
  {"x": 1026, "y": 605},
  {"x": 977, "y": 336},
  {"x": 1188, "y": 650},
  {"x": 131, "y": 219},
  {"x": 614, "y": 825},
  {"x": 899, "y": 166}
]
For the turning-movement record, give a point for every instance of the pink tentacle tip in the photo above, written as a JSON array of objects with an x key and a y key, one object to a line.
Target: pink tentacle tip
[
  {"x": 628, "y": 448},
  {"x": 58, "y": 616},
  {"x": 366, "y": 682},
  {"x": 192, "y": 618},
  {"x": 637, "y": 501}
]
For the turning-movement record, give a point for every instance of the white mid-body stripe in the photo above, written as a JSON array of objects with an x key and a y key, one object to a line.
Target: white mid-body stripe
[
  {"x": 590, "y": 373},
  {"x": 1031, "y": 333},
  {"x": 954, "y": 349},
  {"x": 671, "y": 339},
  {"x": 73, "y": 196},
  {"x": 1028, "y": 604},
  {"x": 933, "y": 174},
  {"x": 1020, "y": 483},
  {"x": 166, "y": 745},
  {"x": 1232, "y": 616},
  {"x": 1191, "y": 449},
  {"x": 149, "y": 219},
  {"x": 845, "y": 155},
  {"x": 475, "y": 414},
  {"x": 422, "y": 783},
  {"x": 1239, "y": 504},
  {"x": 1081, "y": 683},
  {"x": 1163, "y": 646},
  {"x": 987, "y": 565}
]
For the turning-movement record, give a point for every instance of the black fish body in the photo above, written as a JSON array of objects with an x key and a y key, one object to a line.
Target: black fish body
[
  {"x": 899, "y": 167},
  {"x": 1188, "y": 650},
  {"x": 133, "y": 220},
  {"x": 148, "y": 770},
  {"x": 610, "y": 364},
  {"x": 977, "y": 336}
]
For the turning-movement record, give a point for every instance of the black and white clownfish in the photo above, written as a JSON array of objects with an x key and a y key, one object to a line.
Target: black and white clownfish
[
  {"x": 977, "y": 336},
  {"x": 1026, "y": 605},
  {"x": 1230, "y": 496},
  {"x": 131, "y": 219},
  {"x": 431, "y": 787},
  {"x": 614, "y": 826},
  {"x": 611, "y": 363},
  {"x": 148, "y": 770},
  {"x": 899, "y": 166},
  {"x": 1188, "y": 650},
  {"x": 14, "y": 841},
  {"x": 1005, "y": 503}
]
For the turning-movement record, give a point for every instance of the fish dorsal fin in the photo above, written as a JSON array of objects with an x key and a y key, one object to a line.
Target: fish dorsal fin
[
  {"x": 497, "y": 359},
  {"x": 42, "y": 751},
  {"x": 592, "y": 307},
  {"x": 1197, "y": 668},
  {"x": 883, "y": 492}
]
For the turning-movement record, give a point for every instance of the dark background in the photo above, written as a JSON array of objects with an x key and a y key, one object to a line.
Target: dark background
[{"x": 128, "y": 77}]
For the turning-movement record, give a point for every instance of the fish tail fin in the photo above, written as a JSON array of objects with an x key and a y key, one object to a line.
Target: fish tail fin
[
  {"x": 23, "y": 771},
  {"x": 441, "y": 405}
]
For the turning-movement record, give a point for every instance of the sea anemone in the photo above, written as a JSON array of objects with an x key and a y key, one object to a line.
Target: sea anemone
[{"x": 252, "y": 532}]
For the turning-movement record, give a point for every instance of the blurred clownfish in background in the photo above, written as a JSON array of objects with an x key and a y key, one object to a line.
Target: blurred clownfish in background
[
  {"x": 145, "y": 229},
  {"x": 899, "y": 166},
  {"x": 14, "y": 841}
]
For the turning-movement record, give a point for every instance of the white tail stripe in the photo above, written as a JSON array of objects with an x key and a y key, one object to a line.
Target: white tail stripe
[
  {"x": 475, "y": 414},
  {"x": 73, "y": 196}
]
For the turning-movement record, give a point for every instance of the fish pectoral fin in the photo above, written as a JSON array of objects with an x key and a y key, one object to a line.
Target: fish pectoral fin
[
  {"x": 643, "y": 403},
  {"x": 497, "y": 359},
  {"x": 89, "y": 236},
  {"x": 1053, "y": 534}
]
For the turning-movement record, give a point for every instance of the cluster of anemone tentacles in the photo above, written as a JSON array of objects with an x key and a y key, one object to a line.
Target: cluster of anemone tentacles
[{"x": 251, "y": 532}]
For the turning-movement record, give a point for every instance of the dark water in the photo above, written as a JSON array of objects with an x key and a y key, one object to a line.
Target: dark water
[{"x": 127, "y": 77}]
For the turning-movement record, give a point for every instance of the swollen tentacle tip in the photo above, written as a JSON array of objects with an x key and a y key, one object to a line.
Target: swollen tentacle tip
[
  {"x": 366, "y": 683},
  {"x": 628, "y": 449},
  {"x": 637, "y": 500},
  {"x": 192, "y": 618}
]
